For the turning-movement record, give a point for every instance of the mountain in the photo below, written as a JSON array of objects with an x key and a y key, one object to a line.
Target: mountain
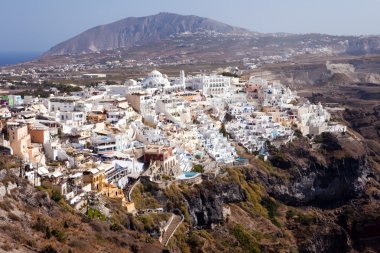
[
  {"x": 140, "y": 30},
  {"x": 168, "y": 38}
]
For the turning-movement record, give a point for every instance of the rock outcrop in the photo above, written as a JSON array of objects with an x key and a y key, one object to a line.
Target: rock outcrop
[
  {"x": 323, "y": 180},
  {"x": 206, "y": 202}
]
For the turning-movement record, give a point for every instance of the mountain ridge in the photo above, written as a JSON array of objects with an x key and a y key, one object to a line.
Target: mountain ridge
[{"x": 128, "y": 31}]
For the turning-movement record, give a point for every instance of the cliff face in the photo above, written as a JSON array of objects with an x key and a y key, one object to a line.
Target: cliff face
[
  {"x": 308, "y": 198},
  {"x": 322, "y": 184},
  {"x": 327, "y": 237},
  {"x": 325, "y": 178},
  {"x": 206, "y": 202}
]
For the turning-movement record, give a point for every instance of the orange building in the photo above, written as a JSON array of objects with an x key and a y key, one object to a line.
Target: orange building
[{"x": 39, "y": 134}]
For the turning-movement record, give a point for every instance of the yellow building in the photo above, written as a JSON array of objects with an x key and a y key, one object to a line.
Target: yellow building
[
  {"x": 96, "y": 116},
  {"x": 94, "y": 177},
  {"x": 19, "y": 139}
]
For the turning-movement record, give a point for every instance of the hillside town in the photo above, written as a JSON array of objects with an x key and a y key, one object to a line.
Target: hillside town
[
  {"x": 97, "y": 143},
  {"x": 100, "y": 140}
]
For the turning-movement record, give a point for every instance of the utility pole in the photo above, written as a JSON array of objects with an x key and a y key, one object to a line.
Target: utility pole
[
  {"x": 21, "y": 168},
  {"x": 88, "y": 202},
  {"x": 133, "y": 160},
  {"x": 35, "y": 175}
]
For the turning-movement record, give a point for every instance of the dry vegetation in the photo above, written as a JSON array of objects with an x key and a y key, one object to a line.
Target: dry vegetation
[{"x": 32, "y": 222}]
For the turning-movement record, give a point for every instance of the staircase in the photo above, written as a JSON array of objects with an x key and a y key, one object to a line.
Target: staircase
[
  {"x": 131, "y": 189},
  {"x": 170, "y": 230}
]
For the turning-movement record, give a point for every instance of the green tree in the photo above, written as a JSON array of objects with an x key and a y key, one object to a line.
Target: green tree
[
  {"x": 198, "y": 168},
  {"x": 56, "y": 196}
]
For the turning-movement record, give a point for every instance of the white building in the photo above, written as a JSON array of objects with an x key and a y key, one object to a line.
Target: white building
[{"x": 209, "y": 85}]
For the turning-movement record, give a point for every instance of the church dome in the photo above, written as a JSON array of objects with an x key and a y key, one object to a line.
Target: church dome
[
  {"x": 155, "y": 74},
  {"x": 155, "y": 79}
]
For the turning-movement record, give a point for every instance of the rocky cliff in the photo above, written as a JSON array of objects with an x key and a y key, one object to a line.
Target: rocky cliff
[
  {"x": 335, "y": 177},
  {"x": 206, "y": 202},
  {"x": 318, "y": 197}
]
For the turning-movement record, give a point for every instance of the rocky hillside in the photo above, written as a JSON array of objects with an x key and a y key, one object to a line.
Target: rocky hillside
[
  {"x": 130, "y": 31},
  {"x": 172, "y": 34},
  {"x": 321, "y": 197},
  {"x": 35, "y": 220},
  {"x": 331, "y": 173},
  {"x": 308, "y": 198}
]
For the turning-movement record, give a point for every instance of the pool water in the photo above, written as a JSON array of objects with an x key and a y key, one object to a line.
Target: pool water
[
  {"x": 187, "y": 175},
  {"x": 190, "y": 174}
]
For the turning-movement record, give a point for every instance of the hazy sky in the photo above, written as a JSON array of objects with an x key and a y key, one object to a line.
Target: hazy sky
[{"x": 37, "y": 25}]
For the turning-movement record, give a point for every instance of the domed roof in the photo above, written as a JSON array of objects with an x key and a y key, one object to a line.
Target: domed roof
[
  {"x": 155, "y": 74},
  {"x": 155, "y": 79}
]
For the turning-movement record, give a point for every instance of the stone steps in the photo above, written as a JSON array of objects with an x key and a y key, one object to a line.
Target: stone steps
[{"x": 171, "y": 229}]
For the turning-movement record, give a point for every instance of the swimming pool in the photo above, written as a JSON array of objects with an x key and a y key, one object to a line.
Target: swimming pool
[{"x": 187, "y": 175}]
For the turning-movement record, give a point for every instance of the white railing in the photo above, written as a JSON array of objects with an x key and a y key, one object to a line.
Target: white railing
[{"x": 171, "y": 235}]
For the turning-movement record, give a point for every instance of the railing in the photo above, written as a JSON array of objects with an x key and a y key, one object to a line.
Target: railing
[
  {"x": 166, "y": 227},
  {"x": 131, "y": 190},
  {"x": 175, "y": 229}
]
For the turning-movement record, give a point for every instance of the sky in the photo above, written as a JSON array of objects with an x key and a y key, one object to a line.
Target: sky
[{"x": 37, "y": 25}]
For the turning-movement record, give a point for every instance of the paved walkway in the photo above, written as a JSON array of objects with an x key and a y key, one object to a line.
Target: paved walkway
[{"x": 169, "y": 232}]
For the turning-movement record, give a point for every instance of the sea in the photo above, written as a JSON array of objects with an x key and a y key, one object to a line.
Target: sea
[{"x": 9, "y": 58}]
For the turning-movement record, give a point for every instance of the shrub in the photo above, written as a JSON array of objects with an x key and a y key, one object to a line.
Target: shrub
[
  {"x": 245, "y": 239},
  {"x": 135, "y": 248},
  {"x": 194, "y": 240},
  {"x": 48, "y": 249},
  {"x": 59, "y": 235},
  {"x": 40, "y": 225},
  {"x": 305, "y": 219},
  {"x": 255, "y": 152},
  {"x": 271, "y": 206},
  {"x": 198, "y": 168},
  {"x": 290, "y": 214},
  {"x": 97, "y": 226},
  {"x": 147, "y": 221},
  {"x": 47, "y": 232},
  {"x": 56, "y": 196},
  {"x": 166, "y": 177},
  {"x": 115, "y": 227},
  {"x": 297, "y": 133},
  {"x": 93, "y": 213},
  {"x": 80, "y": 244},
  {"x": 149, "y": 239}
]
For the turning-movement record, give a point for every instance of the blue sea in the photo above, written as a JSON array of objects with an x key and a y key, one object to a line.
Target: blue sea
[{"x": 9, "y": 58}]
